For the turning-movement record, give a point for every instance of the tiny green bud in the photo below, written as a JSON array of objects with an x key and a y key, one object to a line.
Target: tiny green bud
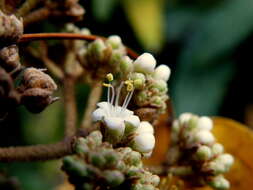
[
  {"x": 87, "y": 186},
  {"x": 97, "y": 48},
  {"x": 74, "y": 166},
  {"x": 111, "y": 158},
  {"x": 114, "y": 41},
  {"x": 138, "y": 79},
  {"x": 203, "y": 153},
  {"x": 113, "y": 177},
  {"x": 133, "y": 158},
  {"x": 96, "y": 137},
  {"x": 81, "y": 146},
  {"x": 97, "y": 159},
  {"x": 160, "y": 85},
  {"x": 133, "y": 171},
  {"x": 126, "y": 64}
]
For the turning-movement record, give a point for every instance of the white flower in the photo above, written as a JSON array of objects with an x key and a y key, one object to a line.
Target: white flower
[
  {"x": 145, "y": 63},
  {"x": 162, "y": 72},
  {"x": 117, "y": 119}
]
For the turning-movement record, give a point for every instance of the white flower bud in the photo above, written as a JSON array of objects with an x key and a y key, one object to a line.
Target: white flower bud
[
  {"x": 162, "y": 72},
  {"x": 132, "y": 122},
  {"x": 205, "y": 123},
  {"x": 217, "y": 149},
  {"x": 144, "y": 142},
  {"x": 145, "y": 63},
  {"x": 219, "y": 182},
  {"x": 226, "y": 159},
  {"x": 203, "y": 153},
  {"x": 185, "y": 117},
  {"x": 204, "y": 137},
  {"x": 145, "y": 127},
  {"x": 114, "y": 41},
  {"x": 175, "y": 127},
  {"x": 160, "y": 85}
]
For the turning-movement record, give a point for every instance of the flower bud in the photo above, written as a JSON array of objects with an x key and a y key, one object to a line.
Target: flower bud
[
  {"x": 144, "y": 142},
  {"x": 203, "y": 153},
  {"x": 185, "y": 117},
  {"x": 219, "y": 182},
  {"x": 226, "y": 159},
  {"x": 138, "y": 79},
  {"x": 114, "y": 41},
  {"x": 81, "y": 146},
  {"x": 97, "y": 159},
  {"x": 162, "y": 72},
  {"x": 204, "y": 137},
  {"x": 133, "y": 158},
  {"x": 97, "y": 49},
  {"x": 160, "y": 85},
  {"x": 205, "y": 123},
  {"x": 113, "y": 177},
  {"x": 74, "y": 167},
  {"x": 145, "y": 63},
  {"x": 126, "y": 64},
  {"x": 217, "y": 149},
  {"x": 145, "y": 127},
  {"x": 96, "y": 137}
]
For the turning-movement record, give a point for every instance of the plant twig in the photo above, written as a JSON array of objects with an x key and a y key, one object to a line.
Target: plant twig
[
  {"x": 37, "y": 152},
  {"x": 37, "y": 15},
  {"x": 26, "y": 7},
  {"x": 94, "y": 97},
  {"x": 73, "y": 36},
  {"x": 70, "y": 106}
]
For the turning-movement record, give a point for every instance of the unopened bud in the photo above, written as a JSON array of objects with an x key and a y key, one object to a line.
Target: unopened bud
[
  {"x": 162, "y": 72},
  {"x": 114, "y": 41},
  {"x": 219, "y": 182},
  {"x": 126, "y": 64},
  {"x": 203, "y": 153},
  {"x": 145, "y": 63},
  {"x": 217, "y": 149},
  {"x": 113, "y": 177},
  {"x": 205, "y": 123},
  {"x": 144, "y": 142}
]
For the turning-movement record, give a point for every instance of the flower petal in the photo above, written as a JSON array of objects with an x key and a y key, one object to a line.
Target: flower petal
[
  {"x": 144, "y": 142},
  {"x": 98, "y": 115},
  {"x": 115, "y": 124},
  {"x": 145, "y": 127}
]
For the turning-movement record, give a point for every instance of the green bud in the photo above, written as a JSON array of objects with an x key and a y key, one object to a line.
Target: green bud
[
  {"x": 133, "y": 158},
  {"x": 219, "y": 182},
  {"x": 142, "y": 97},
  {"x": 74, "y": 166},
  {"x": 81, "y": 146},
  {"x": 203, "y": 153},
  {"x": 133, "y": 171},
  {"x": 97, "y": 48},
  {"x": 113, "y": 177},
  {"x": 156, "y": 101},
  {"x": 114, "y": 41},
  {"x": 147, "y": 187},
  {"x": 97, "y": 159},
  {"x": 160, "y": 85},
  {"x": 96, "y": 137},
  {"x": 126, "y": 64},
  {"x": 116, "y": 57},
  {"x": 139, "y": 80},
  {"x": 111, "y": 158}
]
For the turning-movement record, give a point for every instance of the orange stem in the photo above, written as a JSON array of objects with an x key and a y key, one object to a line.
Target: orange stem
[{"x": 71, "y": 36}]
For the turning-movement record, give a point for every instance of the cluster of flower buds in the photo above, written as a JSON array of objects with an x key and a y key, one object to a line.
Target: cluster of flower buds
[
  {"x": 98, "y": 165},
  {"x": 150, "y": 82},
  {"x": 119, "y": 125},
  {"x": 194, "y": 152},
  {"x": 18, "y": 85}
]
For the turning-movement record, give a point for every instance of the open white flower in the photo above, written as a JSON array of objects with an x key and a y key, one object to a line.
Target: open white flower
[{"x": 117, "y": 119}]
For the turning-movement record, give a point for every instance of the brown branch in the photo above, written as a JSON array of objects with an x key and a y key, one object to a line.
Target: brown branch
[
  {"x": 36, "y": 16},
  {"x": 71, "y": 36},
  {"x": 70, "y": 106},
  {"x": 37, "y": 152},
  {"x": 26, "y": 7},
  {"x": 94, "y": 97}
]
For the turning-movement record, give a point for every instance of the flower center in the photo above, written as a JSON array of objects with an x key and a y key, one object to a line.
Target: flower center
[{"x": 113, "y": 96}]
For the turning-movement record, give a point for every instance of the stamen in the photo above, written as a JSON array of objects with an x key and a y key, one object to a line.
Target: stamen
[
  {"x": 127, "y": 100},
  {"x": 109, "y": 77},
  {"x": 118, "y": 93}
]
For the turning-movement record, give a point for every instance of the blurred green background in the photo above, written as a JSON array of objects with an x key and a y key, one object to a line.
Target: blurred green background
[{"x": 207, "y": 44}]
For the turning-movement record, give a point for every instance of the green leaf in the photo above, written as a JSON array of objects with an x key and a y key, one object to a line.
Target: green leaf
[
  {"x": 146, "y": 18},
  {"x": 103, "y": 9}
]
